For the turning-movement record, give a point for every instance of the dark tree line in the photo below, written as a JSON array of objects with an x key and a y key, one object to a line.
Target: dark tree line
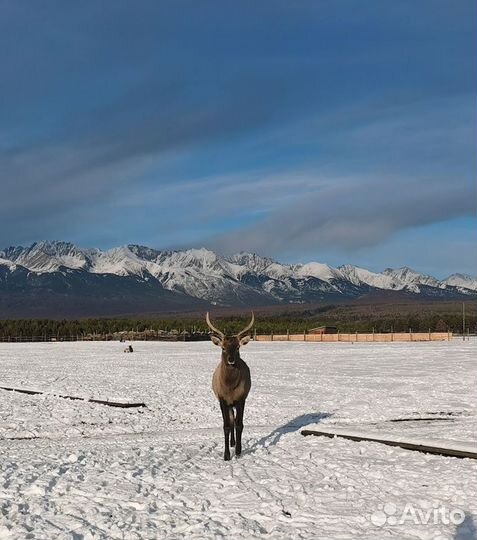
[{"x": 346, "y": 320}]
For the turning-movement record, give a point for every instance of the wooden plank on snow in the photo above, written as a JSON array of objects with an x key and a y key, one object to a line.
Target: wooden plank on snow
[
  {"x": 442, "y": 448},
  {"x": 120, "y": 404}
]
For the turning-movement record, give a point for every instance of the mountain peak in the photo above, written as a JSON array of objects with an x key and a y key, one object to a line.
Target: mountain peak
[
  {"x": 144, "y": 252},
  {"x": 47, "y": 256},
  {"x": 462, "y": 281},
  {"x": 252, "y": 261},
  {"x": 400, "y": 270}
]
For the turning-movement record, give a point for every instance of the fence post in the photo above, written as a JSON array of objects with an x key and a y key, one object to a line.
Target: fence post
[
  {"x": 410, "y": 334},
  {"x": 288, "y": 334},
  {"x": 304, "y": 335},
  {"x": 429, "y": 334},
  {"x": 338, "y": 335},
  {"x": 271, "y": 335}
]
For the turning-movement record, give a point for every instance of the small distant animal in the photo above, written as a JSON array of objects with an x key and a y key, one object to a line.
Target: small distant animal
[
  {"x": 129, "y": 349},
  {"x": 231, "y": 383}
]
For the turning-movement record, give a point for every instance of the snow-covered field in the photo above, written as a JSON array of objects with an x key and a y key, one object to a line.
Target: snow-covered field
[{"x": 72, "y": 469}]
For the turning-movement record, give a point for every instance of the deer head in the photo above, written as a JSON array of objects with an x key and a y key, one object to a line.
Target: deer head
[{"x": 230, "y": 344}]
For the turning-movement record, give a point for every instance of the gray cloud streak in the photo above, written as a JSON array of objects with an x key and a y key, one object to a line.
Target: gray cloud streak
[
  {"x": 350, "y": 215},
  {"x": 416, "y": 167},
  {"x": 103, "y": 155}
]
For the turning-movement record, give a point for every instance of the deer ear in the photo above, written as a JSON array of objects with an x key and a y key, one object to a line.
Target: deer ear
[
  {"x": 245, "y": 340},
  {"x": 216, "y": 341}
]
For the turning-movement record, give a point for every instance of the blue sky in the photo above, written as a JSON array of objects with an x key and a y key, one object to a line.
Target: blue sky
[{"x": 338, "y": 131}]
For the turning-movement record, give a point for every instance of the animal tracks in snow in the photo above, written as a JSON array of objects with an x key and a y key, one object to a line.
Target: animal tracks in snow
[{"x": 98, "y": 473}]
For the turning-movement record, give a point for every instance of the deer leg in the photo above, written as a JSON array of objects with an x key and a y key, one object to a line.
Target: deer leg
[
  {"x": 226, "y": 418},
  {"x": 240, "y": 405},
  {"x": 232, "y": 422}
]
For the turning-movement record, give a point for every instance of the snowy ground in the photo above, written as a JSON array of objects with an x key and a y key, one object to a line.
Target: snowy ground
[{"x": 71, "y": 469}]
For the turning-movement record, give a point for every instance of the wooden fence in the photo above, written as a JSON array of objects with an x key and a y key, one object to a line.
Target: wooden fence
[
  {"x": 325, "y": 338},
  {"x": 124, "y": 336},
  {"x": 358, "y": 337}
]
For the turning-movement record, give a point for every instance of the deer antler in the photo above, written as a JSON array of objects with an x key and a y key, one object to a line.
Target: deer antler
[
  {"x": 212, "y": 327},
  {"x": 247, "y": 328}
]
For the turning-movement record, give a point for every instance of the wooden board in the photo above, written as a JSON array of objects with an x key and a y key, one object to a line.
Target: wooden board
[
  {"x": 119, "y": 404},
  {"x": 463, "y": 452}
]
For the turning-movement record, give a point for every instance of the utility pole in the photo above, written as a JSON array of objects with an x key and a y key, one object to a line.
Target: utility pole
[{"x": 463, "y": 321}]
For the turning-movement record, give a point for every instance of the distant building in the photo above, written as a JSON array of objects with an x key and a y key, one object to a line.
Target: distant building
[{"x": 324, "y": 330}]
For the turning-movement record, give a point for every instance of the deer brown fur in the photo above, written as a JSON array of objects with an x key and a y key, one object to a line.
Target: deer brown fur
[{"x": 231, "y": 384}]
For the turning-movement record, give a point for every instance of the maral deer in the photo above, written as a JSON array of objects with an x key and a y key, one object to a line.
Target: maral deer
[{"x": 231, "y": 384}]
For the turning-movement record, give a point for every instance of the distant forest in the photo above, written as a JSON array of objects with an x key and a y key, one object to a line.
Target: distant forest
[{"x": 436, "y": 316}]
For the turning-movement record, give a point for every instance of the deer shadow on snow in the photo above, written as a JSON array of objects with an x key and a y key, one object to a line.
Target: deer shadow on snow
[{"x": 295, "y": 424}]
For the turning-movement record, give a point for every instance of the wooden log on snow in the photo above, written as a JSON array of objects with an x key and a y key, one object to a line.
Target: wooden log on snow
[
  {"x": 120, "y": 404},
  {"x": 465, "y": 451}
]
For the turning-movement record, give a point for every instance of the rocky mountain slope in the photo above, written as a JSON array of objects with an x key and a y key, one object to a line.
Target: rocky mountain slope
[{"x": 64, "y": 278}]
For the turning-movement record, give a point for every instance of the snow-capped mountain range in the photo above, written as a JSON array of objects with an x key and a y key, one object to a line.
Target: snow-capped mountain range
[{"x": 203, "y": 276}]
